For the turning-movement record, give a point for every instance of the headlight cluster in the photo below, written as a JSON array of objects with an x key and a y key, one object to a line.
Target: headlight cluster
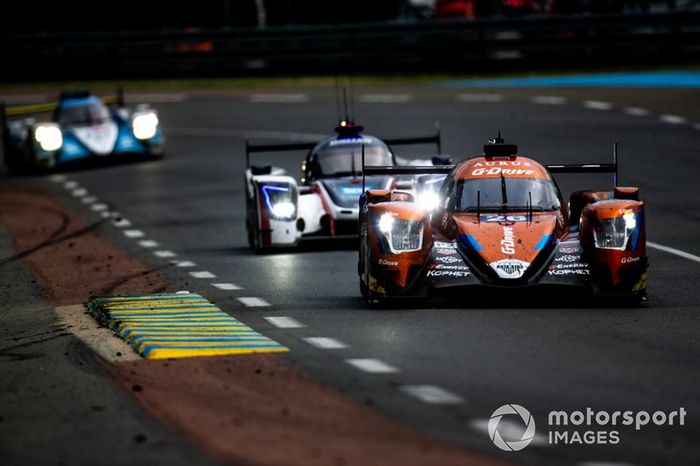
[
  {"x": 279, "y": 201},
  {"x": 615, "y": 233},
  {"x": 400, "y": 235},
  {"x": 145, "y": 124},
  {"x": 49, "y": 136}
]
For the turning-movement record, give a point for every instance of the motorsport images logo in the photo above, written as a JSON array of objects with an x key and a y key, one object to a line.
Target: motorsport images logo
[
  {"x": 581, "y": 427},
  {"x": 496, "y": 435}
]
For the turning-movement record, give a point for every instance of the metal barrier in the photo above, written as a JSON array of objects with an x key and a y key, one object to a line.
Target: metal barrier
[{"x": 425, "y": 47}]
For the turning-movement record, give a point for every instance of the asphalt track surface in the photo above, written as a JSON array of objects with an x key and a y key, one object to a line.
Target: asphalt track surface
[{"x": 546, "y": 354}]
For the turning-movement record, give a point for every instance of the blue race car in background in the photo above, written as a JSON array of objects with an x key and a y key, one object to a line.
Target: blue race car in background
[{"x": 83, "y": 127}]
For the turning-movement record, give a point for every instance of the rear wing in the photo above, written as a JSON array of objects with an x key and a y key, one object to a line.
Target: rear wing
[
  {"x": 251, "y": 149},
  {"x": 445, "y": 169}
]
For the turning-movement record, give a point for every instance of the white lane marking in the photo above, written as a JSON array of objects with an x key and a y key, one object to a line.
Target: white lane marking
[
  {"x": 156, "y": 97},
  {"x": 164, "y": 253},
  {"x": 637, "y": 111},
  {"x": 325, "y": 343},
  {"x": 549, "y": 100},
  {"x": 70, "y": 184},
  {"x": 121, "y": 222},
  {"x": 385, "y": 98},
  {"x": 182, "y": 292},
  {"x": 597, "y": 105},
  {"x": 100, "y": 206},
  {"x": 253, "y": 302},
  {"x": 677, "y": 252},
  {"x": 105, "y": 214},
  {"x": 242, "y": 134},
  {"x": 134, "y": 233},
  {"x": 58, "y": 178},
  {"x": 279, "y": 98},
  {"x": 603, "y": 463},
  {"x": 432, "y": 394},
  {"x": 374, "y": 366},
  {"x": 508, "y": 429},
  {"x": 14, "y": 99},
  {"x": 89, "y": 200},
  {"x": 506, "y": 55},
  {"x": 226, "y": 286},
  {"x": 202, "y": 274},
  {"x": 183, "y": 263},
  {"x": 673, "y": 119},
  {"x": 471, "y": 98},
  {"x": 507, "y": 35},
  {"x": 284, "y": 322},
  {"x": 696, "y": 126},
  {"x": 80, "y": 192},
  {"x": 149, "y": 243}
]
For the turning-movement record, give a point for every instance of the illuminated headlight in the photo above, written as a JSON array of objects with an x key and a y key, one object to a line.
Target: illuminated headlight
[
  {"x": 401, "y": 235},
  {"x": 145, "y": 125},
  {"x": 284, "y": 209},
  {"x": 49, "y": 137},
  {"x": 614, "y": 233},
  {"x": 428, "y": 200},
  {"x": 279, "y": 201}
]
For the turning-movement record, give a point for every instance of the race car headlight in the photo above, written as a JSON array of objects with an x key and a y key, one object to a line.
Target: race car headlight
[
  {"x": 428, "y": 200},
  {"x": 49, "y": 137},
  {"x": 400, "y": 235},
  {"x": 279, "y": 201},
  {"x": 614, "y": 233},
  {"x": 145, "y": 125}
]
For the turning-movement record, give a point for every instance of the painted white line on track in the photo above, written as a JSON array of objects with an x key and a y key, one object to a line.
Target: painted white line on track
[
  {"x": 473, "y": 98},
  {"x": 432, "y": 394},
  {"x": 100, "y": 206},
  {"x": 507, "y": 35},
  {"x": 244, "y": 133},
  {"x": 374, "y": 366},
  {"x": 253, "y": 302},
  {"x": 507, "y": 429},
  {"x": 70, "y": 184},
  {"x": 149, "y": 243},
  {"x": 226, "y": 286},
  {"x": 80, "y": 192},
  {"x": 636, "y": 111},
  {"x": 284, "y": 322},
  {"x": 549, "y": 100},
  {"x": 183, "y": 263},
  {"x": 89, "y": 200},
  {"x": 134, "y": 233},
  {"x": 597, "y": 105},
  {"x": 58, "y": 178},
  {"x": 105, "y": 214},
  {"x": 202, "y": 274},
  {"x": 325, "y": 343},
  {"x": 121, "y": 222},
  {"x": 164, "y": 253},
  {"x": 506, "y": 55},
  {"x": 677, "y": 252},
  {"x": 385, "y": 98},
  {"x": 603, "y": 463},
  {"x": 696, "y": 126},
  {"x": 156, "y": 97},
  {"x": 279, "y": 98},
  {"x": 673, "y": 119}
]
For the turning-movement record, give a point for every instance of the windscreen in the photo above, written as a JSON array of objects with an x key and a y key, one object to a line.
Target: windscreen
[
  {"x": 504, "y": 195},
  {"x": 346, "y": 159},
  {"x": 83, "y": 115}
]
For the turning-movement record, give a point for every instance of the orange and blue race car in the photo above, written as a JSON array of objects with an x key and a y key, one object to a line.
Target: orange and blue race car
[{"x": 501, "y": 223}]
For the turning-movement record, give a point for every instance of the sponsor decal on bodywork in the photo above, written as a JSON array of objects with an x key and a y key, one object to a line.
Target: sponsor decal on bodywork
[
  {"x": 448, "y": 273},
  {"x": 510, "y": 268},
  {"x": 446, "y": 252},
  {"x": 503, "y": 218},
  {"x": 508, "y": 241},
  {"x": 388, "y": 263},
  {"x": 448, "y": 259},
  {"x": 569, "y": 272},
  {"x": 567, "y": 258}
]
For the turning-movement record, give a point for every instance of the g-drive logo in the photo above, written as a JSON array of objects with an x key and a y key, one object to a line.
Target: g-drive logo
[{"x": 584, "y": 427}]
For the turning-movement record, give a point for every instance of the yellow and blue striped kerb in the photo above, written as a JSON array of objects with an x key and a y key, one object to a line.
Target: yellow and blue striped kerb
[{"x": 170, "y": 325}]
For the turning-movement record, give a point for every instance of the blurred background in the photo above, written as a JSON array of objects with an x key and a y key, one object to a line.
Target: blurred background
[{"x": 132, "y": 39}]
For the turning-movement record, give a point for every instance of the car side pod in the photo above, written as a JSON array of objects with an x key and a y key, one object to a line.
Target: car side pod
[
  {"x": 395, "y": 241},
  {"x": 613, "y": 234}
]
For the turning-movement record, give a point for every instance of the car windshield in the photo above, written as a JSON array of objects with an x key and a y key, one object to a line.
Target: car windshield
[
  {"x": 346, "y": 159},
  {"x": 504, "y": 195},
  {"x": 83, "y": 115}
]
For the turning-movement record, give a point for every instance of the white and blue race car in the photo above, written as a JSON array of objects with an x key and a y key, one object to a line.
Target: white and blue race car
[
  {"x": 82, "y": 127},
  {"x": 324, "y": 203}
]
